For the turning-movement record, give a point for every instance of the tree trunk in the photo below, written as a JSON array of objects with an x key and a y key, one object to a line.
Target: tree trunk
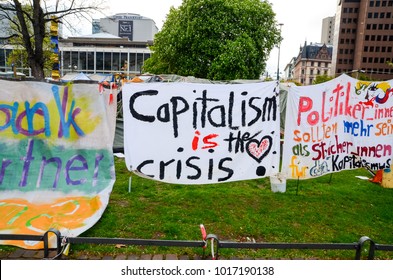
[
  {"x": 33, "y": 43},
  {"x": 37, "y": 70}
]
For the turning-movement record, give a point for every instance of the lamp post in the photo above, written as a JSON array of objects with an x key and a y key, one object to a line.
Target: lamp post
[{"x": 278, "y": 63}]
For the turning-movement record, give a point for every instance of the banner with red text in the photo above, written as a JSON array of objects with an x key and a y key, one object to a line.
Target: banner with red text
[
  {"x": 189, "y": 133},
  {"x": 56, "y": 168},
  {"x": 338, "y": 125}
]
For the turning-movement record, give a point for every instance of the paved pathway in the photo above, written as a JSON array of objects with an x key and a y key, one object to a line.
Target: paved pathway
[{"x": 22, "y": 254}]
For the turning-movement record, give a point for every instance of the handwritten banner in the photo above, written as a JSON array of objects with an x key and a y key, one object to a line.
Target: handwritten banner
[
  {"x": 56, "y": 168},
  {"x": 190, "y": 133},
  {"x": 339, "y": 125}
]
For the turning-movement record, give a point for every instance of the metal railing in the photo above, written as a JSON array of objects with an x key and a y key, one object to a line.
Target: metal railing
[{"x": 215, "y": 243}]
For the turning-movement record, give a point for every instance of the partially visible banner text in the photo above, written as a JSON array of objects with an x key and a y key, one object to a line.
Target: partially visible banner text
[{"x": 192, "y": 133}]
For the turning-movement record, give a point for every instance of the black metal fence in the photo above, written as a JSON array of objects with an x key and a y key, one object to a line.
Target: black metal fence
[{"x": 215, "y": 243}]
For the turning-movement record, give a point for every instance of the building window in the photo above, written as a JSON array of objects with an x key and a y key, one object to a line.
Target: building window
[
  {"x": 132, "y": 62},
  {"x": 82, "y": 61},
  {"x": 364, "y": 59},
  {"x": 365, "y": 49},
  {"x": 90, "y": 61},
  {"x": 115, "y": 61},
  {"x": 123, "y": 62},
  {"x": 100, "y": 61},
  {"x": 107, "y": 62}
]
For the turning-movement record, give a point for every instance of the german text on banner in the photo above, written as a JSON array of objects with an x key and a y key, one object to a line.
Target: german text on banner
[
  {"x": 338, "y": 125},
  {"x": 56, "y": 168},
  {"x": 190, "y": 133}
]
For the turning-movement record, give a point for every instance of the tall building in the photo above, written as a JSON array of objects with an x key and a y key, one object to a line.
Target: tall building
[
  {"x": 327, "y": 33},
  {"x": 288, "y": 70},
  {"x": 313, "y": 60},
  {"x": 363, "y": 40}
]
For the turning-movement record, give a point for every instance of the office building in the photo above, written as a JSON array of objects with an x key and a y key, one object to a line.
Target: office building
[
  {"x": 363, "y": 40},
  {"x": 119, "y": 44},
  {"x": 313, "y": 60},
  {"x": 102, "y": 53},
  {"x": 327, "y": 32}
]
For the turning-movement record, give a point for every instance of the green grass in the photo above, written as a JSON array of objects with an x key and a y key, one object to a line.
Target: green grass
[
  {"x": 337, "y": 209},
  {"x": 330, "y": 209}
]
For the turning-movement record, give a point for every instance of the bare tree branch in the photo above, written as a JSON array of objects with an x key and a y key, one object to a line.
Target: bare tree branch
[{"x": 29, "y": 19}]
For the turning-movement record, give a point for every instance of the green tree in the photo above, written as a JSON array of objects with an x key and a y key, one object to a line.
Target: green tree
[
  {"x": 321, "y": 79},
  {"x": 215, "y": 39},
  {"x": 29, "y": 21}
]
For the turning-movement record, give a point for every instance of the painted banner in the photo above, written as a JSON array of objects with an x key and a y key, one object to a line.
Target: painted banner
[
  {"x": 338, "y": 125},
  {"x": 56, "y": 168},
  {"x": 189, "y": 133}
]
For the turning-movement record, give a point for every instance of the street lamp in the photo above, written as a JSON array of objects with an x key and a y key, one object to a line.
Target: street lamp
[{"x": 278, "y": 63}]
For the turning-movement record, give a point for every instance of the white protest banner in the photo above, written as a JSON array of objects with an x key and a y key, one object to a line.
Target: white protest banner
[
  {"x": 190, "y": 133},
  {"x": 338, "y": 125},
  {"x": 56, "y": 163}
]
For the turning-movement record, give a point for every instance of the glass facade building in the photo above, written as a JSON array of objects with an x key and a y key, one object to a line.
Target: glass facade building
[
  {"x": 100, "y": 60},
  {"x": 106, "y": 51}
]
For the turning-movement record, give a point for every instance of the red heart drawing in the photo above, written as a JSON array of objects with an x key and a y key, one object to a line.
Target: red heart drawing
[{"x": 259, "y": 149}]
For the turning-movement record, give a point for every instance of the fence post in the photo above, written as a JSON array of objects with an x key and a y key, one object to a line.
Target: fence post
[
  {"x": 371, "y": 250},
  {"x": 46, "y": 241},
  {"x": 212, "y": 238}
]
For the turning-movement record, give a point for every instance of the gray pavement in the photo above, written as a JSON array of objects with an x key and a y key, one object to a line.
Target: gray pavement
[{"x": 22, "y": 254}]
